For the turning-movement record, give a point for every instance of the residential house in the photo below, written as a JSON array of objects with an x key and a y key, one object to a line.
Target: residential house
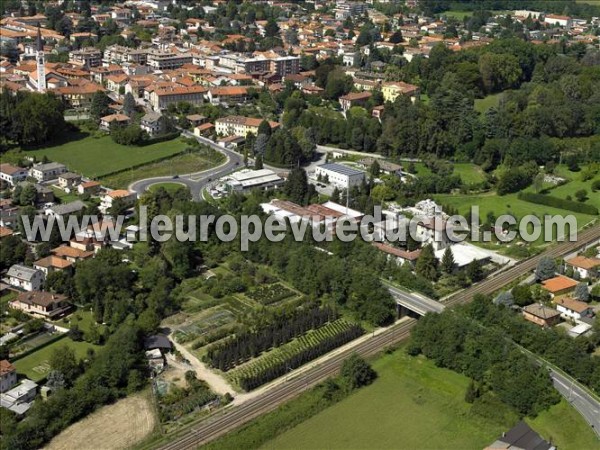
[
  {"x": 48, "y": 171},
  {"x": 71, "y": 254},
  {"x": 433, "y": 230},
  {"x": 584, "y": 267},
  {"x": 5, "y": 232},
  {"x": 20, "y": 398},
  {"x": 12, "y": 174},
  {"x": 88, "y": 187},
  {"x": 79, "y": 96},
  {"x": 127, "y": 197},
  {"x": 541, "y": 315},
  {"x": 68, "y": 180},
  {"x": 354, "y": 99},
  {"x": 65, "y": 209},
  {"x": 240, "y": 126},
  {"x": 51, "y": 264},
  {"x": 386, "y": 167},
  {"x": 8, "y": 375},
  {"x": 573, "y": 309},
  {"x": 392, "y": 89},
  {"x": 117, "y": 119},
  {"x": 204, "y": 129},
  {"x": 41, "y": 304},
  {"x": 153, "y": 123},
  {"x": 25, "y": 278},
  {"x": 559, "y": 285},
  {"x": 520, "y": 437},
  {"x": 196, "y": 119}
]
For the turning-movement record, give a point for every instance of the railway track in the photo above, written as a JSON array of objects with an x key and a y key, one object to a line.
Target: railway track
[
  {"x": 493, "y": 284},
  {"x": 232, "y": 418}
]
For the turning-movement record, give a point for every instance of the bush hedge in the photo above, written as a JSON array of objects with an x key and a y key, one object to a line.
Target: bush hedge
[{"x": 556, "y": 202}]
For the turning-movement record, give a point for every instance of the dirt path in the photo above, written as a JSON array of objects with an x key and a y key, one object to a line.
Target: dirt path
[
  {"x": 114, "y": 427},
  {"x": 218, "y": 384}
]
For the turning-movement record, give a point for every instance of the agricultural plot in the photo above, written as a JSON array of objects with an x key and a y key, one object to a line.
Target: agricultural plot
[
  {"x": 290, "y": 356},
  {"x": 269, "y": 294},
  {"x": 206, "y": 322}
]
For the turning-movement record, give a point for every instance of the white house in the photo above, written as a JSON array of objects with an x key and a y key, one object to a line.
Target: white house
[
  {"x": 49, "y": 171},
  {"x": 107, "y": 201},
  {"x": 573, "y": 309},
  {"x": 12, "y": 174},
  {"x": 343, "y": 177},
  {"x": 25, "y": 278},
  {"x": 585, "y": 267}
]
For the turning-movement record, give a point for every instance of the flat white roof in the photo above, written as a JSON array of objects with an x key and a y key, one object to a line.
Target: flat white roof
[
  {"x": 249, "y": 174},
  {"x": 464, "y": 254}
]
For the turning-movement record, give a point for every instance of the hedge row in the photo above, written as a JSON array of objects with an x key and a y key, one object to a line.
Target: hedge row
[
  {"x": 39, "y": 347},
  {"x": 561, "y": 203}
]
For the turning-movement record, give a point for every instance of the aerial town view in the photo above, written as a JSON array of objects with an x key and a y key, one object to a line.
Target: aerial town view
[{"x": 300, "y": 224}]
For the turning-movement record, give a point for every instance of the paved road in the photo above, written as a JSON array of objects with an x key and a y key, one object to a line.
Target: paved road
[
  {"x": 583, "y": 402},
  {"x": 196, "y": 181},
  {"x": 416, "y": 302}
]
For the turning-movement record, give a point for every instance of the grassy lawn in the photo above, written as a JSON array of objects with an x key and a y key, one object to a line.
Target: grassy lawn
[
  {"x": 483, "y": 104},
  {"x": 507, "y": 204},
  {"x": 96, "y": 156},
  {"x": 63, "y": 196},
  {"x": 469, "y": 173},
  {"x": 413, "y": 404},
  {"x": 574, "y": 185},
  {"x": 83, "y": 320},
  {"x": 36, "y": 366},
  {"x": 177, "y": 165},
  {"x": 169, "y": 187},
  {"x": 460, "y": 15},
  {"x": 576, "y": 434}
]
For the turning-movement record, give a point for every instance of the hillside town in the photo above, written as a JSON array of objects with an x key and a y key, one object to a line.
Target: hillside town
[{"x": 466, "y": 128}]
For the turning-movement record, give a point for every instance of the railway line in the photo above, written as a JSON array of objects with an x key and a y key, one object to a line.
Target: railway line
[
  {"x": 231, "y": 419},
  {"x": 234, "y": 417}
]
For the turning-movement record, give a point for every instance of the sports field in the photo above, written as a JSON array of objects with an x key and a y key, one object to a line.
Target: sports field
[
  {"x": 96, "y": 156},
  {"x": 36, "y": 365}
]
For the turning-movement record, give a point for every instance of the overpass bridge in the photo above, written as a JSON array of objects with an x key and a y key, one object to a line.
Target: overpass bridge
[{"x": 411, "y": 304}]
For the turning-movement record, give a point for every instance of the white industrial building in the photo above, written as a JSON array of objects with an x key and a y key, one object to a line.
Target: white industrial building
[
  {"x": 343, "y": 177},
  {"x": 251, "y": 179}
]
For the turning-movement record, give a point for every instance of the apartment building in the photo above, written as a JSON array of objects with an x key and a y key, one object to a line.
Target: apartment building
[
  {"x": 160, "y": 60},
  {"x": 240, "y": 126},
  {"x": 118, "y": 54},
  {"x": 49, "y": 171},
  {"x": 86, "y": 57},
  {"x": 160, "y": 99}
]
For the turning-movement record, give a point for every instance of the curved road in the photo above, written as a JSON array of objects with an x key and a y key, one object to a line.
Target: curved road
[{"x": 195, "y": 181}]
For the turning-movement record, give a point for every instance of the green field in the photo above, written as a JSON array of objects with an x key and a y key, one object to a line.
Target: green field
[
  {"x": 506, "y": 204},
  {"x": 177, "y": 165},
  {"x": 460, "y": 15},
  {"x": 574, "y": 185},
  {"x": 63, "y": 197},
  {"x": 413, "y": 404},
  {"x": 35, "y": 366},
  {"x": 577, "y": 435},
  {"x": 83, "y": 320},
  {"x": 169, "y": 187},
  {"x": 483, "y": 104},
  {"x": 97, "y": 156},
  {"x": 469, "y": 173}
]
